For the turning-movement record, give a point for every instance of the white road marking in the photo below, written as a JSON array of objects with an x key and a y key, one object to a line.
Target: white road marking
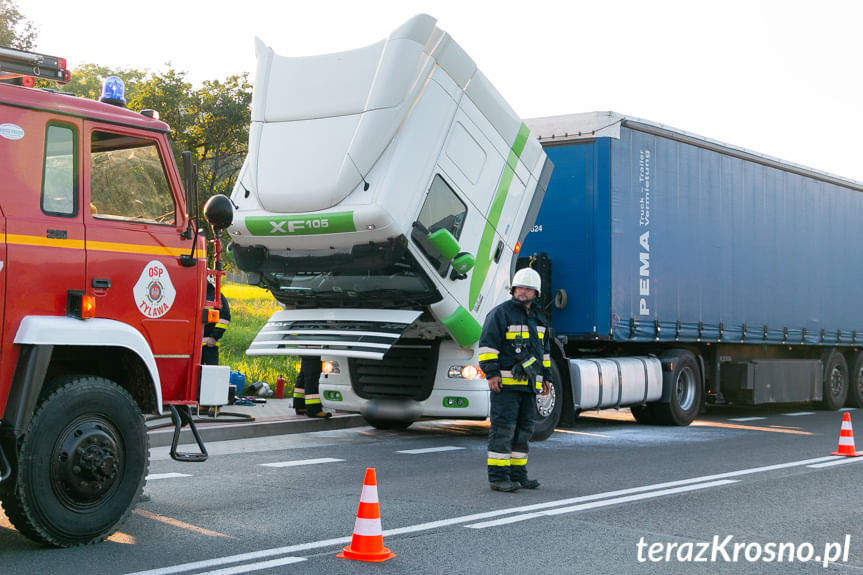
[
  {"x": 746, "y": 418},
  {"x": 301, "y": 462},
  {"x": 166, "y": 476},
  {"x": 796, "y": 413},
  {"x": 255, "y": 566},
  {"x": 565, "y": 506},
  {"x": 601, "y": 503},
  {"x": 839, "y": 460},
  {"x": 430, "y": 450}
]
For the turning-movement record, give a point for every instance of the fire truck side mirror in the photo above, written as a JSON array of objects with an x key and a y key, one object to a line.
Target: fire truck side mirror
[{"x": 219, "y": 212}]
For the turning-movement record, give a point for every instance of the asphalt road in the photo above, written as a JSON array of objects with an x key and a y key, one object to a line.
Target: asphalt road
[{"x": 616, "y": 497}]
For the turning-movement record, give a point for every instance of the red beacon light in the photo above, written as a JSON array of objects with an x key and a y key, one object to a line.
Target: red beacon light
[{"x": 517, "y": 248}]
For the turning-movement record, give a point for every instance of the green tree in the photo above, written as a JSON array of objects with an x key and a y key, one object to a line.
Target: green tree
[
  {"x": 212, "y": 122},
  {"x": 87, "y": 80},
  {"x": 221, "y": 131},
  {"x": 15, "y": 30}
]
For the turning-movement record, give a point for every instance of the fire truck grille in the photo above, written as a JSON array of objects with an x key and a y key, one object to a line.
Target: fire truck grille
[{"x": 407, "y": 371}]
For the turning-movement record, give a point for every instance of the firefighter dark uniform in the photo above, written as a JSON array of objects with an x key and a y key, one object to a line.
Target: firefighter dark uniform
[
  {"x": 306, "y": 396},
  {"x": 513, "y": 347},
  {"x": 213, "y": 332}
]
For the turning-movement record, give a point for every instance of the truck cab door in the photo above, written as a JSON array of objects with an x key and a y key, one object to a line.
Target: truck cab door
[
  {"x": 134, "y": 240},
  {"x": 478, "y": 195},
  {"x": 42, "y": 224}
]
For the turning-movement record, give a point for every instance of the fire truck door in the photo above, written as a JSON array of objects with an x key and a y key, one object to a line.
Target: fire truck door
[{"x": 134, "y": 243}]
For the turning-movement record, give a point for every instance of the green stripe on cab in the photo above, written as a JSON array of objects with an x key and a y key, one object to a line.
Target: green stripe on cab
[{"x": 301, "y": 224}]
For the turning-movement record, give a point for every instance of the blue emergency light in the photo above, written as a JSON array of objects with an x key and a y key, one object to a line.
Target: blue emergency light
[{"x": 113, "y": 91}]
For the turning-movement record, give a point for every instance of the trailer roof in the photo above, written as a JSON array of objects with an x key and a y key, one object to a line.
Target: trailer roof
[{"x": 607, "y": 124}]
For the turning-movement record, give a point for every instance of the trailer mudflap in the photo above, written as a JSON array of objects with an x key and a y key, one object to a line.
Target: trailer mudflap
[
  {"x": 364, "y": 333},
  {"x": 180, "y": 418}
]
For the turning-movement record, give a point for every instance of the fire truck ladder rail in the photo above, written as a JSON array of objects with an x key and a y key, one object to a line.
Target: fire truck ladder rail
[{"x": 181, "y": 417}]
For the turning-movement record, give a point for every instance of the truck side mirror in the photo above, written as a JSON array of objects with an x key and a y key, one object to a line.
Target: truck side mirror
[
  {"x": 444, "y": 243},
  {"x": 461, "y": 264}
]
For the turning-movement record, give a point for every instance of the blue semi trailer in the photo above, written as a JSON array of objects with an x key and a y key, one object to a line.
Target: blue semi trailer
[{"x": 678, "y": 270}]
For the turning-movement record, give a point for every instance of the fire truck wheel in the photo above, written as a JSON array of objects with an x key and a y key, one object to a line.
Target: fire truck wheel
[
  {"x": 548, "y": 408},
  {"x": 82, "y": 464}
]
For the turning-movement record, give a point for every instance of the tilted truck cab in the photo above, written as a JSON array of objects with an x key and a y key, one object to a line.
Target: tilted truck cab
[
  {"x": 381, "y": 202},
  {"x": 101, "y": 301}
]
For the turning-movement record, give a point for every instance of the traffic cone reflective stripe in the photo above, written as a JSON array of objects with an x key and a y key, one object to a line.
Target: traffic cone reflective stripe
[
  {"x": 367, "y": 543},
  {"x": 846, "y": 439}
]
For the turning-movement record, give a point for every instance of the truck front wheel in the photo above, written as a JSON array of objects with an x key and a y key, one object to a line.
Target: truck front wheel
[{"x": 82, "y": 464}]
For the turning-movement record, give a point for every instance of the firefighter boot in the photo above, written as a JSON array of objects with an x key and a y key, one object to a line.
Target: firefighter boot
[
  {"x": 504, "y": 485},
  {"x": 529, "y": 483}
]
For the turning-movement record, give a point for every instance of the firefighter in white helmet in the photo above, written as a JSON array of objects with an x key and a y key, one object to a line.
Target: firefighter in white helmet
[{"x": 514, "y": 354}]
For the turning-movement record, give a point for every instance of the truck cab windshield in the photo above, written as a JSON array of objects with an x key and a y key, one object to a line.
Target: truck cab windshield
[{"x": 383, "y": 283}]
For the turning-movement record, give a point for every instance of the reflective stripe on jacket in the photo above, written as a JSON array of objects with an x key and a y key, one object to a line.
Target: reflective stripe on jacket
[{"x": 513, "y": 331}]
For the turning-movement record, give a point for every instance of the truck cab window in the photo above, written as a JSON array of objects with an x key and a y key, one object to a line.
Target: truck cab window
[
  {"x": 442, "y": 210},
  {"x": 59, "y": 181},
  {"x": 127, "y": 180}
]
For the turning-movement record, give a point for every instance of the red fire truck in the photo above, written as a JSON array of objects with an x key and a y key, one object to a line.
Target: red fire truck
[{"x": 102, "y": 297}]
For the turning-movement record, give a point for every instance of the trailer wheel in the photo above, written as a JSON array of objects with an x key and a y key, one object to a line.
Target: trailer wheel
[
  {"x": 82, "y": 464},
  {"x": 835, "y": 381},
  {"x": 548, "y": 408},
  {"x": 686, "y": 392},
  {"x": 855, "y": 380}
]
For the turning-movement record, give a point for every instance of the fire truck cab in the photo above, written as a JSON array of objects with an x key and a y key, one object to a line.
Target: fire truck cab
[{"x": 102, "y": 293}]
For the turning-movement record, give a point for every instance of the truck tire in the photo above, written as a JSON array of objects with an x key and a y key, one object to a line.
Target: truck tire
[
  {"x": 388, "y": 424},
  {"x": 643, "y": 414},
  {"x": 686, "y": 391},
  {"x": 855, "y": 380},
  {"x": 548, "y": 408},
  {"x": 835, "y": 381},
  {"x": 81, "y": 466}
]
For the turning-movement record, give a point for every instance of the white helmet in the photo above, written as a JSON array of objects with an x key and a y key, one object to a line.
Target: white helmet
[{"x": 528, "y": 278}]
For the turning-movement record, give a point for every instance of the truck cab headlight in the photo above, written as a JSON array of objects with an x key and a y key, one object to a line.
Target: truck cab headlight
[
  {"x": 465, "y": 372},
  {"x": 330, "y": 366}
]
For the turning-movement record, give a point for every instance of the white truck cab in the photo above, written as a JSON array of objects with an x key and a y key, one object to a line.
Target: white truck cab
[{"x": 383, "y": 200}]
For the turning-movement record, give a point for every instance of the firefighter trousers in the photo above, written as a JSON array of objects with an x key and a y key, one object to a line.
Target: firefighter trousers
[
  {"x": 306, "y": 395},
  {"x": 512, "y": 420}
]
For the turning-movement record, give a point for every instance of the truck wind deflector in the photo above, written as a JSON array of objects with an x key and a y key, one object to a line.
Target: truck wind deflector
[{"x": 363, "y": 333}]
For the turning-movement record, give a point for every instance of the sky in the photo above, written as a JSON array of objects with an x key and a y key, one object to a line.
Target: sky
[{"x": 781, "y": 78}]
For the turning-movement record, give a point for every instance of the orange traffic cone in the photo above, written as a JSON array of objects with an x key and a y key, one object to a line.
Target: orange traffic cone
[
  {"x": 367, "y": 543},
  {"x": 846, "y": 439}
]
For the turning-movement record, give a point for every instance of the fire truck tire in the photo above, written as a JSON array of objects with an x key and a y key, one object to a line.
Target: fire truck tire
[
  {"x": 548, "y": 408},
  {"x": 82, "y": 464}
]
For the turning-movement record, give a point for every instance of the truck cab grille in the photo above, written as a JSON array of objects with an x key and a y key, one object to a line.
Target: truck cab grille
[{"x": 407, "y": 371}]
